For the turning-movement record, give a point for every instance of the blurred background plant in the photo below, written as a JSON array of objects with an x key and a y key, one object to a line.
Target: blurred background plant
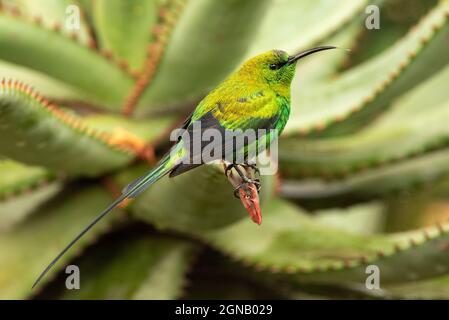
[{"x": 364, "y": 160}]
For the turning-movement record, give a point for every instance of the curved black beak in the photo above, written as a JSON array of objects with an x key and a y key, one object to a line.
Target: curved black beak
[{"x": 302, "y": 54}]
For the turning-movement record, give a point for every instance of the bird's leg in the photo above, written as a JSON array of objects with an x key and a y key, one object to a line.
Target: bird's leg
[
  {"x": 241, "y": 174},
  {"x": 246, "y": 179},
  {"x": 229, "y": 168},
  {"x": 253, "y": 166}
]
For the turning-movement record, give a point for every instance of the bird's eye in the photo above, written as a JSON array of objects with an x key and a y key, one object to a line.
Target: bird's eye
[{"x": 273, "y": 66}]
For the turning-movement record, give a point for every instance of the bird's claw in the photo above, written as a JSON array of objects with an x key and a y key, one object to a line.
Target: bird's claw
[
  {"x": 251, "y": 165},
  {"x": 229, "y": 168},
  {"x": 254, "y": 167},
  {"x": 246, "y": 180}
]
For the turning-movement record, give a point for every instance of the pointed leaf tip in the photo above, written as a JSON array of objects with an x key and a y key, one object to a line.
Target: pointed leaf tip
[{"x": 250, "y": 199}]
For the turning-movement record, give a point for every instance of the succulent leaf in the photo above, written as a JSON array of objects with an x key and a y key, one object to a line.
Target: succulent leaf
[
  {"x": 124, "y": 28},
  {"x": 35, "y": 132},
  {"x": 199, "y": 209},
  {"x": 222, "y": 30},
  {"x": 29, "y": 246},
  {"x": 51, "y": 14},
  {"x": 46, "y": 85},
  {"x": 293, "y": 245},
  {"x": 99, "y": 81},
  {"x": 370, "y": 124},
  {"x": 318, "y": 68},
  {"x": 380, "y": 154},
  {"x": 298, "y": 29},
  {"x": 374, "y": 147},
  {"x": 22, "y": 189},
  {"x": 344, "y": 104},
  {"x": 398, "y": 16},
  {"x": 146, "y": 130},
  {"x": 18, "y": 178},
  {"x": 433, "y": 289},
  {"x": 404, "y": 175},
  {"x": 137, "y": 268}
]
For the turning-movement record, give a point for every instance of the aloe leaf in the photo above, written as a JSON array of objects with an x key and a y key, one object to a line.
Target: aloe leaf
[
  {"x": 399, "y": 134},
  {"x": 199, "y": 208},
  {"x": 136, "y": 268},
  {"x": 293, "y": 245},
  {"x": 147, "y": 130},
  {"x": 28, "y": 247},
  {"x": 174, "y": 265},
  {"x": 22, "y": 189},
  {"x": 433, "y": 289},
  {"x": 423, "y": 257},
  {"x": 429, "y": 96},
  {"x": 374, "y": 147},
  {"x": 318, "y": 68},
  {"x": 52, "y": 13},
  {"x": 190, "y": 66},
  {"x": 38, "y": 133},
  {"x": 43, "y": 83},
  {"x": 233, "y": 284},
  {"x": 345, "y": 104},
  {"x": 17, "y": 208},
  {"x": 395, "y": 23},
  {"x": 86, "y": 6},
  {"x": 63, "y": 59},
  {"x": 389, "y": 156},
  {"x": 18, "y": 178},
  {"x": 364, "y": 219},
  {"x": 291, "y": 25},
  {"x": 124, "y": 28},
  {"x": 417, "y": 208},
  {"x": 289, "y": 237},
  {"x": 407, "y": 210},
  {"x": 395, "y": 177}
]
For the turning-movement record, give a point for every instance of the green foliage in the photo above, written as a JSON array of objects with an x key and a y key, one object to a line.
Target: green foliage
[
  {"x": 124, "y": 27},
  {"x": 33, "y": 242},
  {"x": 83, "y": 112},
  {"x": 156, "y": 269},
  {"x": 198, "y": 210},
  {"x": 37, "y": 133},
  {"x": 222, "y": 30}
]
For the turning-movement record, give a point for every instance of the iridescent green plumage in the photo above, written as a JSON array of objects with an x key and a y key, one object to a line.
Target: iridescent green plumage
[
  {"x": 257, "y": 96},
  {"x": 252, "y": 94}
]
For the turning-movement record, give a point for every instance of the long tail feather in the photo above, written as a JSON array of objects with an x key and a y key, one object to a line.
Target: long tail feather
[{"x": 131, "y": 191}]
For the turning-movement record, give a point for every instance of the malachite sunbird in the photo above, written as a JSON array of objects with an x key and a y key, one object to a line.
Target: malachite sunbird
[{"x": 257, "y": 96}]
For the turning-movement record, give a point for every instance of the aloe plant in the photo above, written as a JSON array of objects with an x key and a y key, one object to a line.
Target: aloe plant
[{"x": 363, "y": 162}]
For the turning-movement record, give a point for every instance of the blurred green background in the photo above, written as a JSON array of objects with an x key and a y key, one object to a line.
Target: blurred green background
[{"x": 91, "y": 89}]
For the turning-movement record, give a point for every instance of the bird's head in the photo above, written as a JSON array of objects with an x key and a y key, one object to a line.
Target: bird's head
[{"x": 276, "y": 68}]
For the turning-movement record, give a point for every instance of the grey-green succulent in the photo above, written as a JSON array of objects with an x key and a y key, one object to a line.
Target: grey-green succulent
[{"x": 363, "y": 161}]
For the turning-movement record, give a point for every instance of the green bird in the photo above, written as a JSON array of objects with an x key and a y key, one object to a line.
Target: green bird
[{"x": 255, "y": 97}]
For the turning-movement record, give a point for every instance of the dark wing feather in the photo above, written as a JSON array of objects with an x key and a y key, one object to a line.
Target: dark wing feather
[
  {"x": 231, "y": 140},
  {"x": 221, "y": 115}
]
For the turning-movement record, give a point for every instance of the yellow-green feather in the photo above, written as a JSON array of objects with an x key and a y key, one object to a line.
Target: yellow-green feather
[{"x": 252, "y": 93}]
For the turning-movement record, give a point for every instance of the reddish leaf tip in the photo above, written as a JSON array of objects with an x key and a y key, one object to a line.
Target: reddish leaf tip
[{"x": 250, "y": 199}]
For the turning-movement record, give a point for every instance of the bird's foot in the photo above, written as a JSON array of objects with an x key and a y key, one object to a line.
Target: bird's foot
[
  {"x": 253, "y": 166},
  {"x": 246, "y": 180},
  {"x": 229, "y": 168}
]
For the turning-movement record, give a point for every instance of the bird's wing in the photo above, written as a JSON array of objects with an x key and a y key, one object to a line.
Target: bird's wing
[
  {"x": 248, "y": 110},
  {"x": 232, "y": 118}
]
